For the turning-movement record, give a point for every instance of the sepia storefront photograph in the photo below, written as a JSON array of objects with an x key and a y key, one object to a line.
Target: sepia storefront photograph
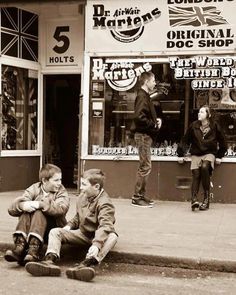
[{"x": 194, "y": 64}]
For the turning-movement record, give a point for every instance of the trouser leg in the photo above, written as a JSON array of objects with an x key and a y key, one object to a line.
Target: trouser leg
[
  {"x": 143, "y": 143},
  {"x": 34, "y": 224},
  {"x": 57, "y": 236}
]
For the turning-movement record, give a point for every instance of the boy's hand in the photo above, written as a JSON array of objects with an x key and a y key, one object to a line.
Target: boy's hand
[
  {"x": 66, "y": 227},
  {"x": 181, "y": 160},
  {"x": 34, "y": 204},
  {"x": 27, "y": 206},
  {"x": 92, "y": 251},
  {"x": 159, "y": 123},
  {"x": 218, "y": 161}
]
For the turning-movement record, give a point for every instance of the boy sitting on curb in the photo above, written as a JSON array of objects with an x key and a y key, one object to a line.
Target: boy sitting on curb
[
  {"x": 42, "y": 207},
  {"x": 92, "y": 225}
]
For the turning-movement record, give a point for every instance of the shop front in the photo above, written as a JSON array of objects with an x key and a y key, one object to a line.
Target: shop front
[
  {"x": 41, "y": 71},
  {"x": 191, "y": 50}
]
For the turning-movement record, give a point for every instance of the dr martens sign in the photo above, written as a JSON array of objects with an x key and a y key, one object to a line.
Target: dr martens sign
[{"x": 125, "y": 24}]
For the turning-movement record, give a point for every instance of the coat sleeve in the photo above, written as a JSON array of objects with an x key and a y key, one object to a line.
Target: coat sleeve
[
  {"x": 28, "y": 195},
  {"x": 74, "y": 222},
  {"x": 185, "y": 142},
  {"x": 222, "y": 142},
  {"x": 106, "y": 220},
  {"x": 57, "y": 205}
]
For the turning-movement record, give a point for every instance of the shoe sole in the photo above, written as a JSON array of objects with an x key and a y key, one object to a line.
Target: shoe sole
[
  {"x": 10, "y": 258},
  {"x": 38, "y": 269},
  {"x": 140, "y": 206},
  {"x": 85, "y": 274}
]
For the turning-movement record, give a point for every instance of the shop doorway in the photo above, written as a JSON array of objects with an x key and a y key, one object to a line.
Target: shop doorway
[{"x": 61, "y": 124}]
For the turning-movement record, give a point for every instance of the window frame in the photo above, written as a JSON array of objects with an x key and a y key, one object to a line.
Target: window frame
[{"x": 29, "y": 65}]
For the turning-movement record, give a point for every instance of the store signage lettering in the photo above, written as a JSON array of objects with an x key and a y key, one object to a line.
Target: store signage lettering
[
  {"x": 132, "y": 151},
  {"x": 205, "y": 38},
  {"x": 125, "y": 24},
  {"x": 62, "y": 46},
  {"x": 206, "y": 18},
  {"x": 121, "y": 76},
  {"x": 206, "y": 72},
  {"x": 193, "y": 1}
]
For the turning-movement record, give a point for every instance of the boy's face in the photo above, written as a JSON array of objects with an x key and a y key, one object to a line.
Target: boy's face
[
  {"x": 89, "y": 189},
  {"x": 52, "y": 184}
]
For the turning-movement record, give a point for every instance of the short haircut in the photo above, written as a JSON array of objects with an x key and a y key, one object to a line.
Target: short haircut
[
  {"x": 95, "y": 176},
  {"x": 145, "y": 76},
  {"x": 47, "y": 171}
]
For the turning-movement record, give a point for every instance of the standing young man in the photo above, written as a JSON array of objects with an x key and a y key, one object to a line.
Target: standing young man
[{"x": 146, "y": 126}]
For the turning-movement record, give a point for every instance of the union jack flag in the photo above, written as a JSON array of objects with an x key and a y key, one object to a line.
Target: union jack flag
[
  {"x": 19, "y": 33},
  {"x": 195, "y": 16}
]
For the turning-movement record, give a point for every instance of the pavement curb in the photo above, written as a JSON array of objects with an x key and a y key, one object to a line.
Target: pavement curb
[{"x": 69, "y": 253}]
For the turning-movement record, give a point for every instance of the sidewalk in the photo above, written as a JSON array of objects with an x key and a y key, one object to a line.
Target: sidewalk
[{"x": 169, "y": 234}]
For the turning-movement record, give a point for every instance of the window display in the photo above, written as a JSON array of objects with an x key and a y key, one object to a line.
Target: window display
[
  {"x": 19, "y": 108},
  {"x": 113, "y": 88}
]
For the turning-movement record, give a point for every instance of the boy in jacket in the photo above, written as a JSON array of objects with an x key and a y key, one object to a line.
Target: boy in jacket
[
  {"x": 42, "y": 206},
  {"x": 92, "y": 226}
]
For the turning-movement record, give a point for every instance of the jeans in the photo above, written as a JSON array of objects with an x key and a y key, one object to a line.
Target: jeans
[
  {"x": 143, "y": 143},
  {"x": 57, "y": 236},
  {"x": 34, "y": 224}
]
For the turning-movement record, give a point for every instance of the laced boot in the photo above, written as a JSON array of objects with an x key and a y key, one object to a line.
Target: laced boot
[
  {"x": 84, "y": 271},
  {"x": 206, "y": 201},
  {"x": 19, "y": 251},
  {"x": 47, "y": 267},
  {"x": 194, "y": 202},
  {"x": 34, "y": 251}
]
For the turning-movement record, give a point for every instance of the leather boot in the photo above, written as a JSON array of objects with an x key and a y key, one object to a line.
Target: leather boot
[
  {"x": 206, "y": 201},
  {"x": 34, "y": 252},
  {"x": 83, "y": 271},
  {"x": 194, "y": 202},
  {"x": 47, "y": 267},
  {"x": 19, "y": 251}
]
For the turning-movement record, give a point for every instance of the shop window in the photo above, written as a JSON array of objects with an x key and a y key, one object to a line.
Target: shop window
[
  {"x": 112, "y": 106},
  {"x": 19, "y": 108},
  {"x": 113, "y": 89}
]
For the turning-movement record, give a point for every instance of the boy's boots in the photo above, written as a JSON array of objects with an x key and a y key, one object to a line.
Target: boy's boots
[
  {"x": 206, "y": 201},
  {"x": 19, "y": 251},
  {"x": 34, "y": 251},
  {"x": 84, "y": 271},
  {"x": 47, "y": 267}
]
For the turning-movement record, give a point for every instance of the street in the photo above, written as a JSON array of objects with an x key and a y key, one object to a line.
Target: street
[{"x": 122, "y": 279}]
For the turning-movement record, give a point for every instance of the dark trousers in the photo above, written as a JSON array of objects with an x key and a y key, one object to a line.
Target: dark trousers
[
  {"x": 143, "y": 143},
  {"x": 35, "y": 224},
  {"x": 203, "y": 175}
]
